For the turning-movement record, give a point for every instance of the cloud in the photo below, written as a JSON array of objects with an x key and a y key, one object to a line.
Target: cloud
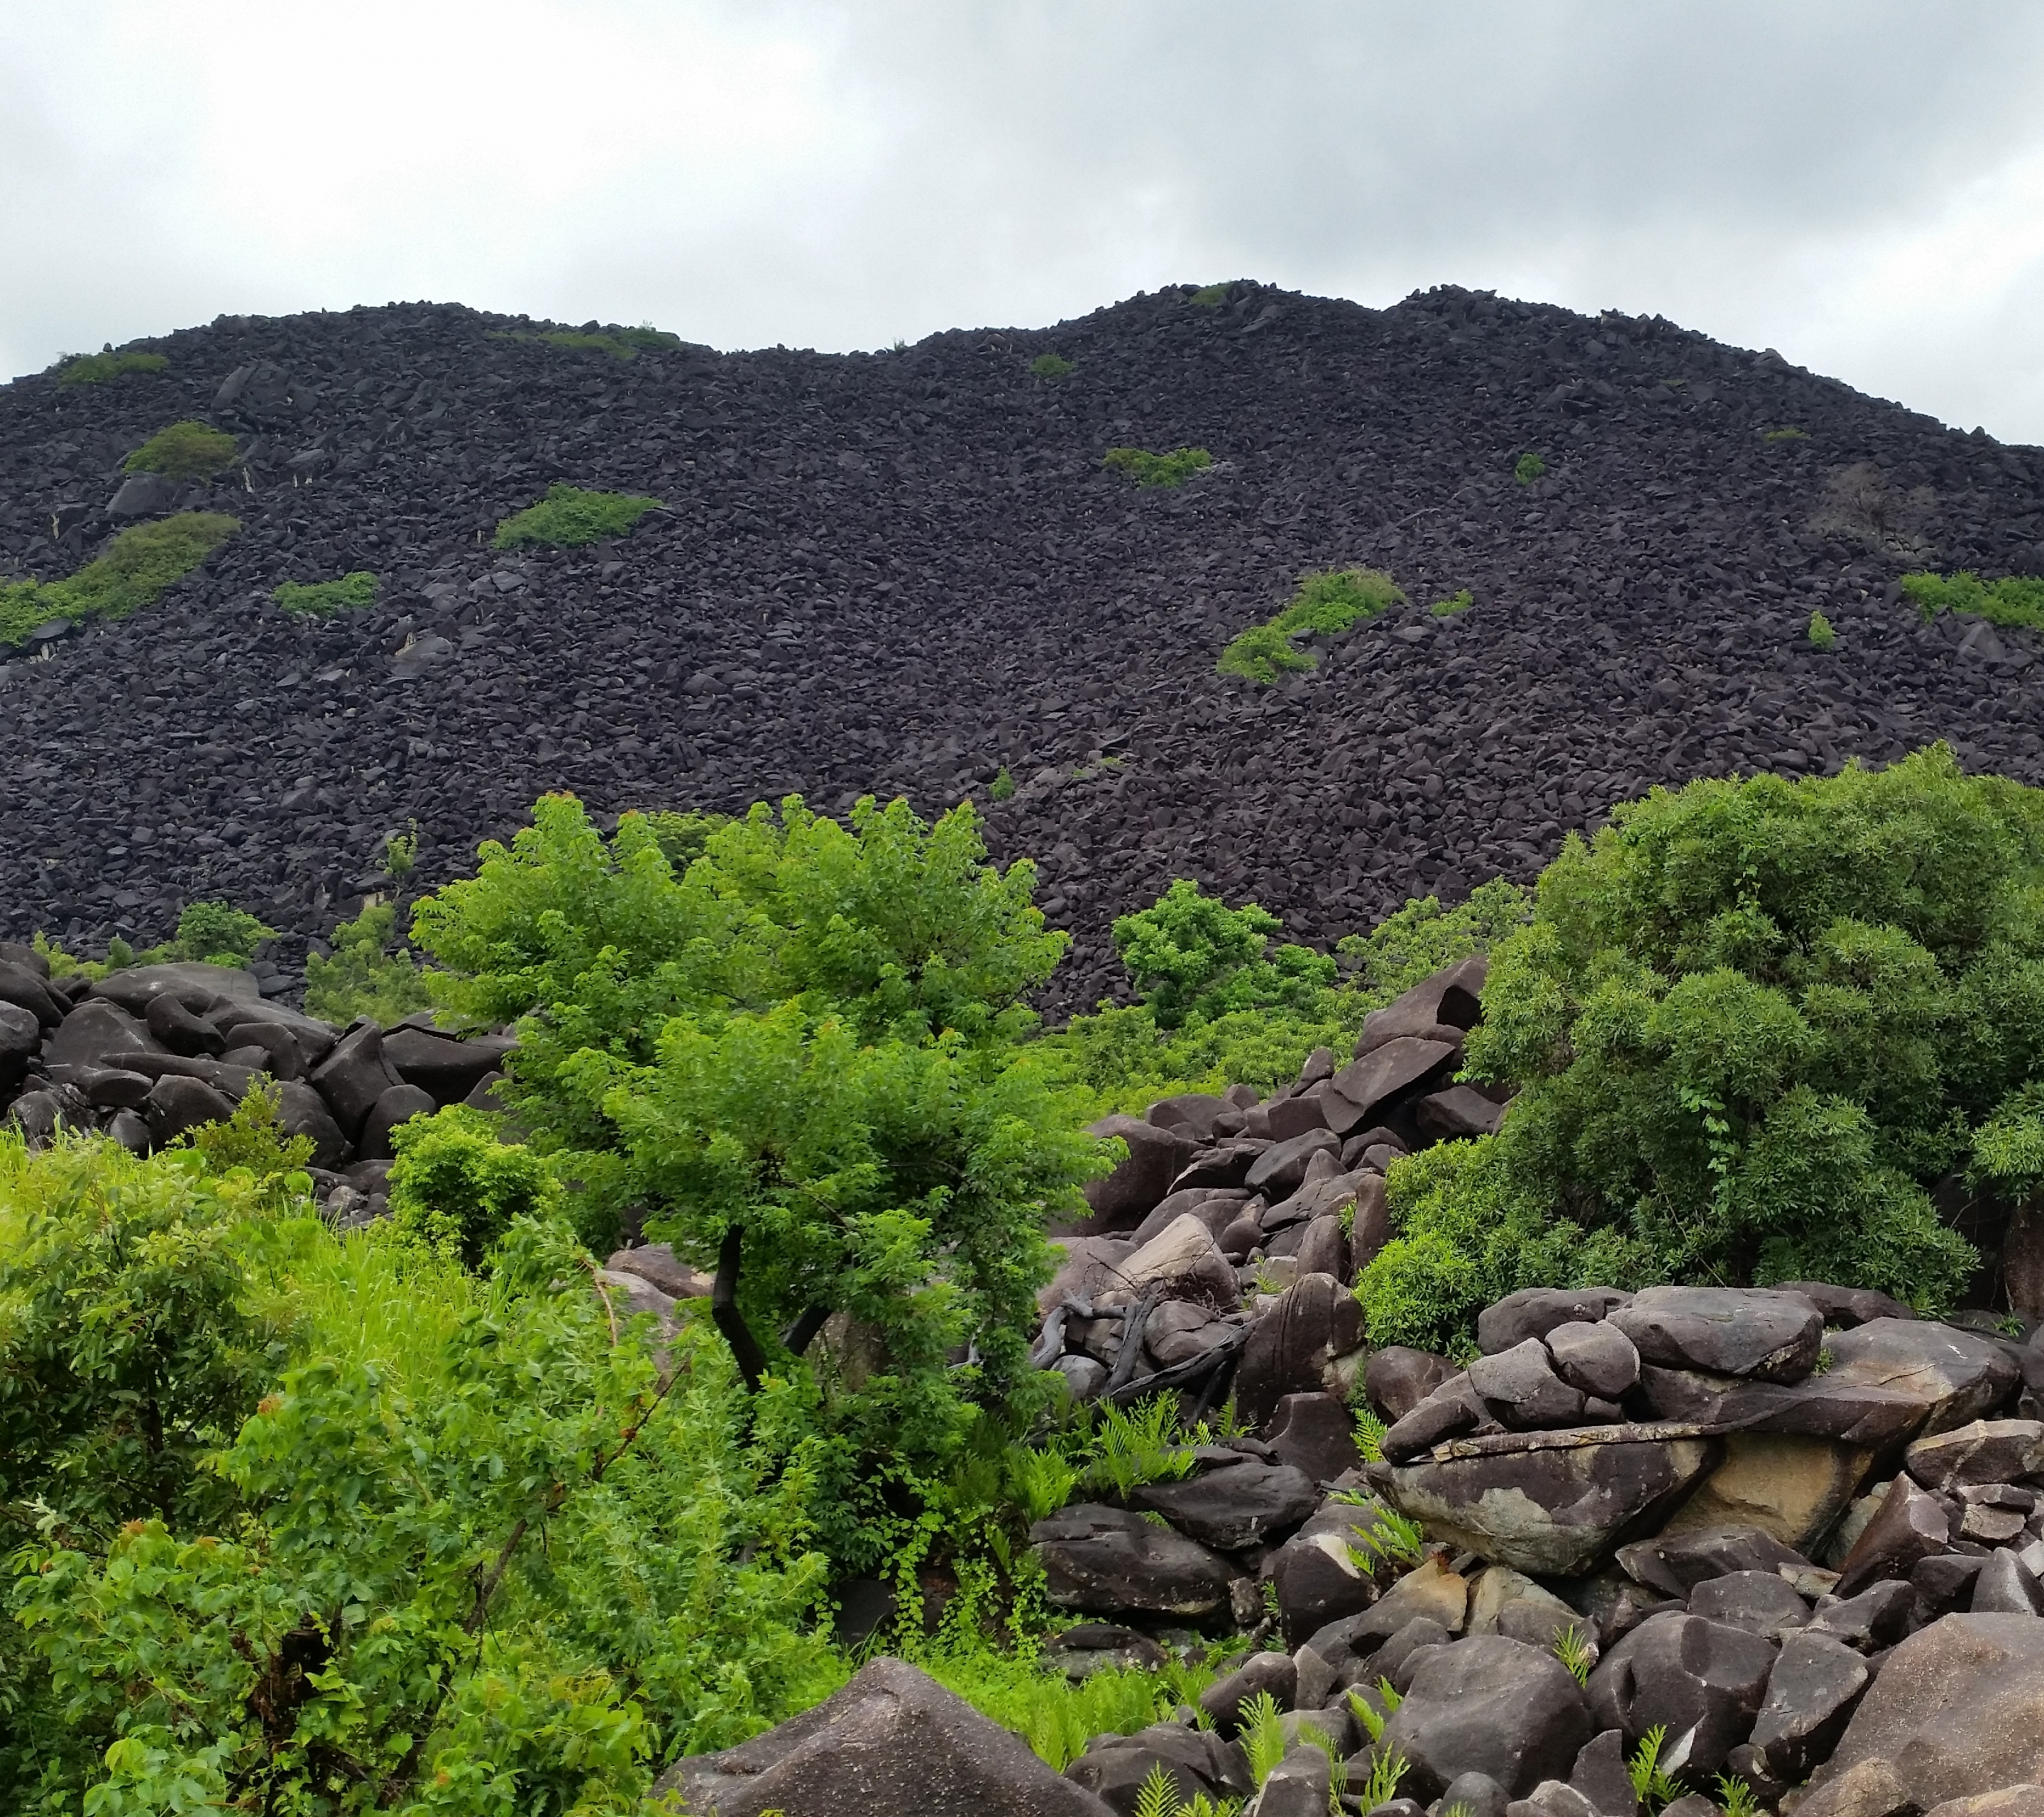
[{"x": 1855, "y": 184}]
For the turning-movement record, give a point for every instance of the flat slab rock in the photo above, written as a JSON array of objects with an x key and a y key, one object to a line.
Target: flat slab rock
[{"x": 1109, "y": 1561}]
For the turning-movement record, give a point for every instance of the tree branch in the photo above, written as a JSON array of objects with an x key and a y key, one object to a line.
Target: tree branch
[
  {"x": 745, "y": 1350},
  {"x": 801, "y": 1334}
]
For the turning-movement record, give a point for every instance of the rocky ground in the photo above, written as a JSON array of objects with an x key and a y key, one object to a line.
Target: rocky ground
[{"x": 901, "y": 572}]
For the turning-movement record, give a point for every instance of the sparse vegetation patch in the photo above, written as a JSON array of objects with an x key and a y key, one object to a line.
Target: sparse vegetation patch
[
  {"x": 1529, "y": 468},
  {"x": 569, "y": 516},
  {"x": 1210, "y": 295},
  {"x": 1785, "y": 435},
  {"x": 99, "y": 368},
  {"x": 184, "y": 450},
  {"x": 2017, "y": 599},
  {"x": 132, "y": 570},
  {"x": 619, "y": 343},
  {"x": 322, "y": 599},
  {"x": 1328, "y": 604},
  {"x": 1455, "y": 602},
  {"x": 1050, "y": 366},
  {"x": 1822, "y": 637},
  {"x": 1148, "y": 469}
]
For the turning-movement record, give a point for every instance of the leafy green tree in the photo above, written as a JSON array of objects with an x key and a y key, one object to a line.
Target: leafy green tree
[
  {"x": 457, "y": 1186},
  {"x": 370, "y": 972},
  {"x": 219, "y": 934},
  {"x": 1193, "y": 958},
  {"x": 1753, "y": 1022}
]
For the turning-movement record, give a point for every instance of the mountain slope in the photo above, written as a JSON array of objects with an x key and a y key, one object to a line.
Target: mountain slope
[{"x": 900, "y": 571}]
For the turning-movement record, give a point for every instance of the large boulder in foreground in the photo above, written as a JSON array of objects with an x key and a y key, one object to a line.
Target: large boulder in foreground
[
  {"x": 1492, "y": 1706},
  {"x": 1549, "y": 1503},
  {"x": 893, "y": 1743},
  {"x": 1957, "y": 1710}
]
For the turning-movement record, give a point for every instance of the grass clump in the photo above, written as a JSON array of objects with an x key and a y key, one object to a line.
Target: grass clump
[
  {"x": 1326, "y": 604},
  {"x": 1050, "y": 366},
  {"x": 184, "y": 450},
  {"x": 569, "y": 516},
  {"x": 1210, "y": 295},
  {"x": 101, "y": 368},
  {"x": 1785, "y": 435},
  {"x": 1821, "y": 635},
  {"x": 619, "y": 343},
  {"x": 2018, "y": 599},
  {"x": 320, "y": 599},
  {"x": 1148, "y": 469},
  {"x": 1530, "y": 468},
  {"x": 130, "y": 571},
  {"x": 1453, "y": 604}
]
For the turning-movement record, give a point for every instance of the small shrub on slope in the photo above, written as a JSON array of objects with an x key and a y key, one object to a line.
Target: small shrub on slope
[
  {"x": 568, "y": 517},
  {"x": 100, "y": 368},
  {"x": 1050, "y": 366},
  {"x": 184, "y": 450},
  {"x": 1192, "y": 957},
  {"x": 1327, "y": 605},
  {"x": 1529, "y": 468},
  {"x": 2017, "y": 600},
  {"x": 322, "y": 599},
  {"x": 369, "y": 973},
  {"x": 130, "y": 571},
  {"x": 1753, "y": 1022},
  {"x": 1148, "y": 469}
]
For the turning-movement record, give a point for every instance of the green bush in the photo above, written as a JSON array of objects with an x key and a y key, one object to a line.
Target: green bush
[
  {"x": 1326, "y": 604},
  {"x": 1454, "y": 603},
  {"x": 619, "y": 343},
  {"x": 320, "y": 599},
  {"x": 1821, "y": 635},
  {"x": 369, "y": 973},
  {"x": 1210, "y": 295},
  {"x": 1002, "y": 787},
  {"x": 1050, "y": 366},
  {"x": 184, "y": 450},
  {"x": 99, "y": 368},
  {"x": 1148, "y": 469},
  {"x": 1193, "y": 958},
  {"x": 1752, "y": 1022},
  {"x": 2017, "y": 600},
  {"x": 130, "y": 572},
  {"x": 1785, "y": 435},
  {"x": 1529, "y": 468},
  {"x": 217, "y": 933},
  {"x": 568, "y": 517},
  {"x": 459, "y": 1188}
]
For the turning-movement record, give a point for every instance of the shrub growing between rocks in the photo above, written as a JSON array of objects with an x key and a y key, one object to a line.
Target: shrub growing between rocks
[
  {"x": 1193, "y": 958},
  {"x": 369, "y": 973},
  {"x": 322, "y": 599},
  {"x": 1148, "y": 469},
  {"x": 1752, "y": 1022},
  {"x": 100, "y": 368},
  {"x": 569, "y": 516},
  {"x": 1326, "y": 605},
  {"x": 1050, "y": 366},
  {"x": 130, "y": 571},
  {"x": 185, "y": 451},
  {"x": 2015, "y": 599}
]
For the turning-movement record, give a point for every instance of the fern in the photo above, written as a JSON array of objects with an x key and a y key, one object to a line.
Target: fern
[
  {"x": 1372, "y": 1719},
  {"x": 1389, "y": 1539},
  {"x": 1651, "y": 1784},
  {"x": 1735, "y": 1797},
  {"x": 1158, "y": 1796},
  {"x": 1573, "y": 1648},
  {"x": 1385, "y": 1772},
  {"x": 1261, "y": 1734}
]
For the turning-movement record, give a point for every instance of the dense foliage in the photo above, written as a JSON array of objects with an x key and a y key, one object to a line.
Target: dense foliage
[
  {"x": 2016, "y": 600},
  {"x": 185, "y": 451},
  {"x": 1148, "y": 469},
  {"x": 1753, "y": 1022},
  {"x": 129, "y": 572},
  {"x": 1327, "y": 605},
  {"x": 1193, "y": 958},
  {"x": 569, "y": 516},
  {"x": 322, "y": 599},
  {"x": 98, "y": 368}
]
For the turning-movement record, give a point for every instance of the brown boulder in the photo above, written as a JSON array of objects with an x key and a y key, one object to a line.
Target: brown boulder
[
  {"x": 1289, "y": 1347},
  {"x": 1156, "y": 1157}
]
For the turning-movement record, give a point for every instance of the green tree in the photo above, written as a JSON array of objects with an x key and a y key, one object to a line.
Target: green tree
[
  {"x": 1752, "y": 1022},
  {"x": 1193, "y": 958}
]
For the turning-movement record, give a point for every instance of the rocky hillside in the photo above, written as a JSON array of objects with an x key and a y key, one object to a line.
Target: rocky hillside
[{"x": 902, "y": 571}]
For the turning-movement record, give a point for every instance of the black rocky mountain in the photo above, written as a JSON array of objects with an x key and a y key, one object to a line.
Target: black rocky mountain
[{"x": 900, "y": 571}]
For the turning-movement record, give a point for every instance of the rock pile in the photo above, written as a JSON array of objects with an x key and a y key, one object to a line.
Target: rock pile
[{"x": 902, "y": 572}]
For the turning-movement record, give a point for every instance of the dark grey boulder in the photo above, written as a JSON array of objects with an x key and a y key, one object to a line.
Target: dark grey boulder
[
  {"x": 130, "y": 1130},
  {"x": 1812, "y": 1692},
  {"x": 353, "y": 1077},
  {"x": 1845, "y": 1306},
  {"x": 2005, "y": 1586},
  {"x": 1492, "y": 1706},
  {"x": 893, "y": 1743},
  {"x": 1477, "y": 1793},
  {"x": 1687, "y": 1674},
  {"x": 1291, "y": 1344},
  {"x": 1980, "y": 1451},
  {"x": 1754, "y": 1332},
  {"x": 180, "y": 1030},
  {"x": 1941, "y": 1583},
  {"x": 1313, "y": 1433},
  {"x": 21, "y": 1040},
  {"x": 28, "y": 990},
  {"x": 1534, "y": 1311},
  {"x": 145, "y": 495},
  {"x": 135, "y": 987},
  {"x": 1908, "y": 1525},
  {"x": 1299, "y": 1785},
  {"x": 399, "y": 1104},
  {"x": 1197, "y": 1762},
  {"x": 282, "y": 1057},
  {"x": 1457, "y": 1114},
  {"x": 1448, "y": 999},
  {"x": 1875, "y": 1618},
  {"x": 1325, "y": 1572},
  {"x": 1281, "y": 1169},
  {"x": 1190, "y": 1113},
  {"x": 1109, "y": 1561},
  {"x": 1215, "y": 1209},
  {"x": 1365, "y": 1088},
  {"x": 1124, "y": 1198},
  {"x": 1761, "y": 1602},
  {"x": 1950, "y": 1376},
  {"x": 303, "y": 1112},
  {"x": 1397, "y": 1378},
  {"x": 438, "y": 1064},
  {"x": 1453, "y": 1408},
  {"x": 97, "y": 1034},
  {"x": 1520, "y": 1388},
  {"x": 175, "y": 1104},
  {"x": 1273, "y": 1674},
  {"x": 1250, "y": 1504},
  {"x": 109, "y": 1088},
  {"x": 1594, "y": 1356},
  {"x": 1601, "y": 1774},
  {"x": 1673, "y": 1564}
]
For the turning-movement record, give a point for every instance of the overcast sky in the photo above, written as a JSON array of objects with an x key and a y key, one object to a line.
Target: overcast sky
[{"x": 1860, "y": 185}]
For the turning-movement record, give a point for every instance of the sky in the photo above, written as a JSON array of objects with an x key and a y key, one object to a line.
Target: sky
[{"x": 1858, "y": 184}]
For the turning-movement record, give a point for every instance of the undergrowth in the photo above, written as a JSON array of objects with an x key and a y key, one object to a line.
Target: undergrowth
[
  {"x": 2017, "y": 599},
  {"x": 1327, "y": 605},
  {"x": 1453, "y": 604},
  {"x": 184, "y": 450},
  {"x": 1148, "y": 469},
  {"x": 99, "y": 368},
  {"x": 322, "y": 599},
  {"x": 619, "y": 343},
  {"x": 1050, "y": 366},
  {"x": 130, "y": 571},
  {"x": 569, "y": 516}
]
